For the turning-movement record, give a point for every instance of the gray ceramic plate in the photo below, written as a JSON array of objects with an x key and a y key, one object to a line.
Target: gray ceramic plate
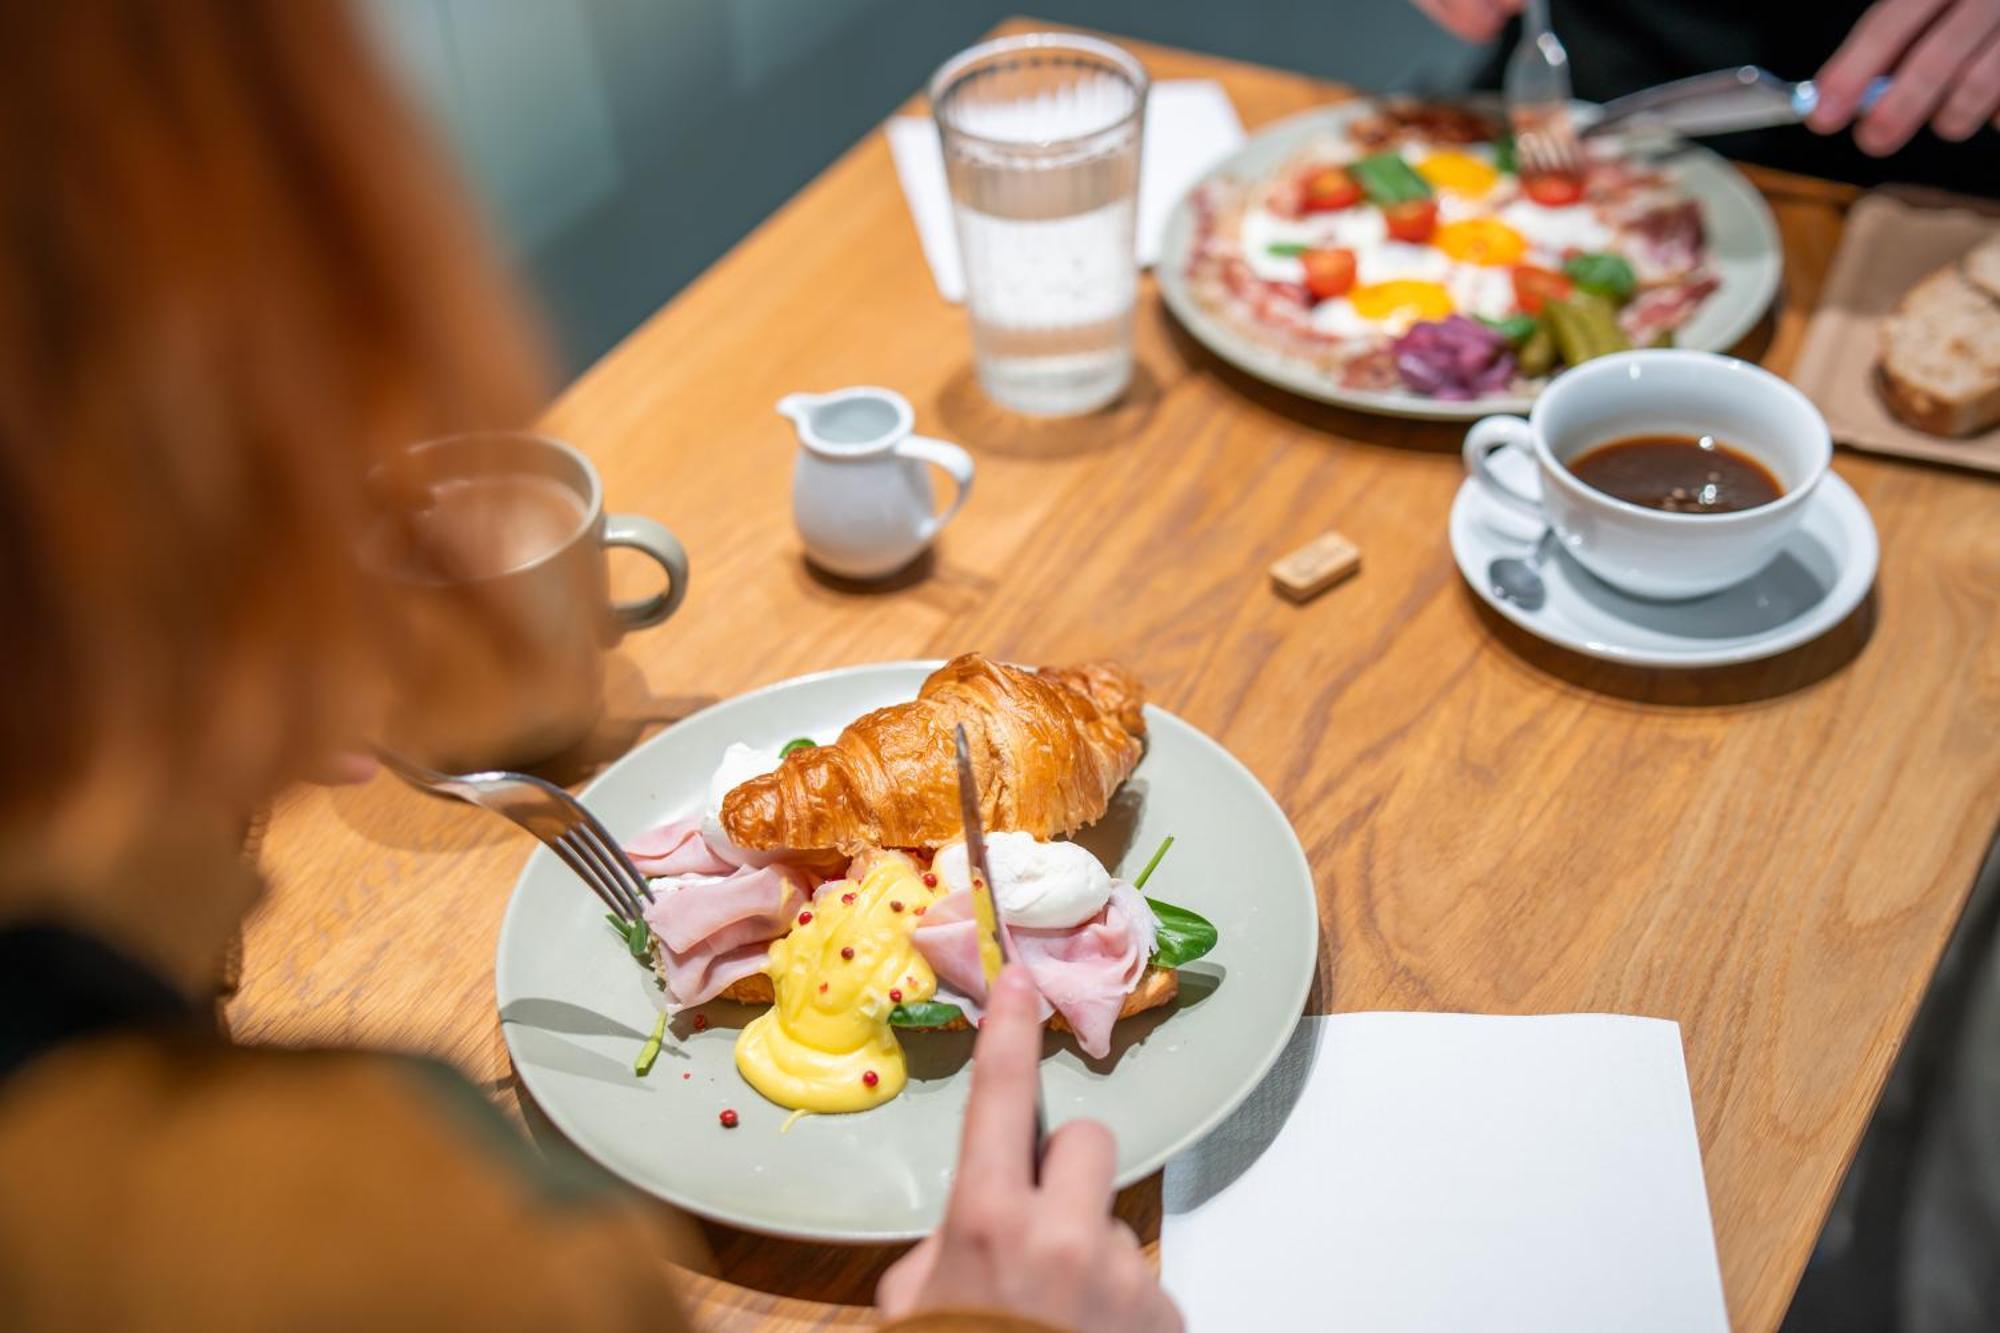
[
  {"x": 575, "y": 1007},
  {"x": 1742, "y": 241}
]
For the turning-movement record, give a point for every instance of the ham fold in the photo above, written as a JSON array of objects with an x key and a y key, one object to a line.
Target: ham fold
[
  {"x": 675, "y": 848},
  {"x": 714, "y": 921},
  {"x": 1084, "y": 972}
]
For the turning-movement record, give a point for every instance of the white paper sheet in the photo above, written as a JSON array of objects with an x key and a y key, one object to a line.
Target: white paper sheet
[
  {"x": 1190, "y": 125},
  {"x": 1452, "y": 1173}
]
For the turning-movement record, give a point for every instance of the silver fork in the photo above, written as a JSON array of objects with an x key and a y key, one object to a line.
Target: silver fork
[
  {"x": 556, "y": 819},
  {"x": 1538, "y": 99}
]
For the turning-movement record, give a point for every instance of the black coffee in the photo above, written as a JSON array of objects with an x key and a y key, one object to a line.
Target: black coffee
[{"x": 1682, "y": 474}]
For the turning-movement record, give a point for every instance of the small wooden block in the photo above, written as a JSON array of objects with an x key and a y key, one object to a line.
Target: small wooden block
[{"x": 1316, "y": 566}]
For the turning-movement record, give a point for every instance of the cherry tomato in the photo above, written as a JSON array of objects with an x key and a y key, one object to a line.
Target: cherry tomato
[
  {"x": 1534, "y": 286},
  {"x": 1553, "y": 189},
  {"x": 1329, "y": 273},
  {"x": 1329, "y": 190},
  {"x": 1414, "y": 220}
]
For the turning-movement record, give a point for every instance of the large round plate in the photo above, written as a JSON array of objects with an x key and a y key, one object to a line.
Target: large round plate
[
  {"x": 1743, "y": 248},
  {"x": 575, "y": 1007}
]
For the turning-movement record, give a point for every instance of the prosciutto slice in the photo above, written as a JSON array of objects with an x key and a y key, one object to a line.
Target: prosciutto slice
[{"x": 1084, "y": 972}]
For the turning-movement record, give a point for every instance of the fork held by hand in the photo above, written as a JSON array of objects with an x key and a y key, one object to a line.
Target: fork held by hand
[
  {"x": 556, "y": 819},
  {"x": 1537, "y": 91}
]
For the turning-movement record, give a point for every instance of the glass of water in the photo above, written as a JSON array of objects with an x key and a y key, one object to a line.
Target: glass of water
[{"x": 1041, "y": 145}]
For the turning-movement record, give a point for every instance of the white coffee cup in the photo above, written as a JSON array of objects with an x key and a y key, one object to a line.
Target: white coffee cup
[{"x": 1651, "y": 552}]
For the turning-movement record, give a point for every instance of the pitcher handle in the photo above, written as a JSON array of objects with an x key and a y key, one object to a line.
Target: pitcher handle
[{"x": 948, "y": 458}]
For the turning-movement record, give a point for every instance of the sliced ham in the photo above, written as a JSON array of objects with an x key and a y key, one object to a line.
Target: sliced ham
[
  {"x": 1083, "y": 972},
  {"x": 715, "y": 929},
  {"x": 714, "y": 921},
  {"x": 675, "y": 848}
]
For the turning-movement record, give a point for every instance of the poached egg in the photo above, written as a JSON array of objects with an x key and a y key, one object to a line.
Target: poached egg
[{"x": 1036, "y": 885}]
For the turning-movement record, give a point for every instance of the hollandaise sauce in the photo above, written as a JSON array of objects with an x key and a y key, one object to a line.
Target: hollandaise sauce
[{"x": 825, "y": 1045}]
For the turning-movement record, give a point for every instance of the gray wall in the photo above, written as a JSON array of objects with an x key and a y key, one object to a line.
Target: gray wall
[{"x": 623, "y": 145}]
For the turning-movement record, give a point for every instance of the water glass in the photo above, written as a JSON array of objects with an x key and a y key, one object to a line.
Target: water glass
[{"x": 1041, "y": 146}]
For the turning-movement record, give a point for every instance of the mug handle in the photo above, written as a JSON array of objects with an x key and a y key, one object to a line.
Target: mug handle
[
  {"x": 643, "y": 534},
  {"x": 948, "y": 458},
  {"x": 1488, "y": 436}
]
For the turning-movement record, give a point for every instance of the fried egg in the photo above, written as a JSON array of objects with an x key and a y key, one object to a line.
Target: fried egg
[
  {"x": 1486, "y": 242},
  {"x": 1557, "y": 231},
  {"x": 1467, "y": 171}
]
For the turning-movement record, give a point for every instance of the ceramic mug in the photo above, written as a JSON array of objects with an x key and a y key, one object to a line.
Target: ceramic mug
[
  {"x": 861, "y": 495},
  {"x": 493, "y": 546},
  {"x": 1651, "y": 552}
]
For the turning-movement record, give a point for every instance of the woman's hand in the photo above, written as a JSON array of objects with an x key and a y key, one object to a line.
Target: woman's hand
[
  {"x": 1471, "y": 20},
  {"x": 1052, "y": 1251},
  {"x": 1944, "y": 58}
]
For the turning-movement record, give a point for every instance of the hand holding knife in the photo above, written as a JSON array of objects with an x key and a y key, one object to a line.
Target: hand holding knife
[{"x": 994, "y": 952}]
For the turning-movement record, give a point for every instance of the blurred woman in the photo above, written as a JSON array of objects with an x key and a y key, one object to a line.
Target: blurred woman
[{"x": 235, "y": 279}]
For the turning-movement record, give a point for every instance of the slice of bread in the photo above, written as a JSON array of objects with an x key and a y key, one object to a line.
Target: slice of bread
[
  {"x": 1981, "y": 266},
  {"x": 1157, "y": 986},
  {"x": 1940, "y": 351}
]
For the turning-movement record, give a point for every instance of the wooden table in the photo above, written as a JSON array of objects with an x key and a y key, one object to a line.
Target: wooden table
[{"x": 1772, "y": 855}]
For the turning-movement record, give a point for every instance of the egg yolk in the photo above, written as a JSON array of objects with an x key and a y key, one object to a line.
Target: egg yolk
[
  {"x": 1404, "y": 299},
  {"x": 1459, "y": 173},
  {"x": 825, "y": 1044},
  {"x": 1482, "y": 241}
]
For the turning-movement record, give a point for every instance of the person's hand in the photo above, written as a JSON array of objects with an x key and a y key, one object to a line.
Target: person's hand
[
  {"x": 1944, "y": 58},
  {"x": 1470, "y": 20},
  {"x": 1052, "y": 1251}
]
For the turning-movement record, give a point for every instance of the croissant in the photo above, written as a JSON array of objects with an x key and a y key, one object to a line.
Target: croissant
[{"x": 1049, "y": 748}]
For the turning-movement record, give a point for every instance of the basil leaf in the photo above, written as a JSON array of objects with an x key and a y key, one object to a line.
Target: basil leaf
[
  {"x": 924, "y": 1014},
  {"x": 1287, "y": 249},
  {"x": 802, "y": 743},
  {"x": 1516, "y": 329},
  {"x": 1388, "y": 179},
  {"x": 1183, "y": 935},
  {"x": 1607, "y": 275}
]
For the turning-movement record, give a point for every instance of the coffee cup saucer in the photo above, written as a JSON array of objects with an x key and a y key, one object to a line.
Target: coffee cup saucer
[{"x": 1820, "y": 574}]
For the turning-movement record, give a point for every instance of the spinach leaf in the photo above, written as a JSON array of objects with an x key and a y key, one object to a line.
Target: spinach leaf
[
  {"x": 1287, "y": 249},
  {"x": 924, "y": 1014},
  {"x": 802, "y": 743},
  {"x": 638, "y": 937},
  {"x": 1183, "y": 935}
]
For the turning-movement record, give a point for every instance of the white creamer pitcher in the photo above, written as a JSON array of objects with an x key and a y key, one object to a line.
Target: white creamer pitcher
[{"x": 860, "y": 495}]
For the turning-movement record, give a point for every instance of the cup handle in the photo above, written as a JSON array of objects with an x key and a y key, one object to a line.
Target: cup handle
[
  {"x": 1487, "y": 437},
  {"x": 950, "y": 459},
  {"x": 643, "y": 534}
]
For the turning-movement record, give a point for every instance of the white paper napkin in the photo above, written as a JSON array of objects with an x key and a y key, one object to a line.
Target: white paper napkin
[
  {"x": 1190, "y": 125},
  {"x": 1452, "y": 1173}
]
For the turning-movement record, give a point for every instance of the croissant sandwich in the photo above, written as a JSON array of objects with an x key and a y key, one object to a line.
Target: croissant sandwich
[{"x": 1049, "y": 748}]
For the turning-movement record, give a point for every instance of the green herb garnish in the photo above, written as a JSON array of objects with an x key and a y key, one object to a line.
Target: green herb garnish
[
  {"x": 1287, "y": 249},
  {"x": 1183, "y": 936},
  {"x": 1516, "y": 329},
  {"x": 1147, "y": 873},
  {"x": 651, "y": 1050},
  {"x": 802, "y": 743},
  {"x": 925, "y": 1014},
  {"x": 1388, "y": 179},
  {"x": 1610, "y": 276},
  {"x": 1503, "y": 154},
  {"x": 638, "y": 936}
]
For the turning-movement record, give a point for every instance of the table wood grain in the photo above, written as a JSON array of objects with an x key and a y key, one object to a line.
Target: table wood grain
[{"x": 1771, "y": 854}]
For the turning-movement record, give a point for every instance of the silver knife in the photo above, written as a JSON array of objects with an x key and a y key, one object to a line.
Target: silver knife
[
  {"x": 1728, "y": 100},
  {"x": 986, "y": 908}
]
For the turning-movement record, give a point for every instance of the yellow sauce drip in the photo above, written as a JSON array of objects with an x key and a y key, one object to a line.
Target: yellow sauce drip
[{"x": 829, "y": 1027}]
